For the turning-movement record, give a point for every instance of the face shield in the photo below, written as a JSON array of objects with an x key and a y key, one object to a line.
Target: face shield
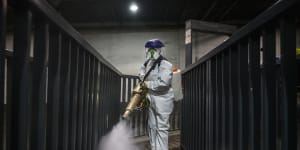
[{"x": 153, "y": 53}]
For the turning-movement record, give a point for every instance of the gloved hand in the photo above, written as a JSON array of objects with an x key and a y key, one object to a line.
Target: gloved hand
[{"x": 143, "y": 86}]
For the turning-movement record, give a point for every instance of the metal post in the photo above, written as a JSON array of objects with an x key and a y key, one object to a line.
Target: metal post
[
  {"x": 53, "y": 88},
  {"x": 188, "y": 44},
  {"x": 255, "y": 92},
  {"x": 3, "y": 7},
  {"x": 82, "y": 78},
  {"x": 21, "y": 79},
  {"x": 269, "y": 88},
  {"x": 41, "y": 52},
  {"x": 289, "y": 74},
  {"x": 74, "y": 96}
]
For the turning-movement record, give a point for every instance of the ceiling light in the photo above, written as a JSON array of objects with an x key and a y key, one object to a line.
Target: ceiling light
[{"x": 133, "y": 8}]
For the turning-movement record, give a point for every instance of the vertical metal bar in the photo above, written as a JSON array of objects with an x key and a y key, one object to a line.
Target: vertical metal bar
[
  {"x": 108, "y": 101},
  {"x": 21, "y": 79},
  {"x": 243, "y": 95},
  {"x": 82, "y": 78},
  {"x": 95, "y": 106},
  {"x": 67, "y": 107},
  {"x": 202, "y": 100},
  {"x": 41, "y": 51},
  {"x": 3, "y": 10},
  {"x": 204, "y": 106},
  {"x": 64, "y": 84},
  {"x": 230, "y": 102},
  {"x": 255, "y": 92},
  {"x": 187, "y": 107},
  {"x": 207, "y": 104},
  {"x": 91, "y": 102},
  {"x": 183, "y": 104},
  {"x": 124, "y": 90},
  {"x": 103, "y": 127},
  {"x": 53, "y": 88},
  {"x": 104, "y": 100},
  {"x": 269, "y": 92},
  {"x": 189, "y": 138},
  {"x": 225, "y": 100},
  {"x": 219, "y": 85},
  {"x": 191, "y": 110},
  {"x": 289, "y": 74},
  {"x": 194, "y": 114},
  {"x": 233, "y": 53},
  {"x": 198, "y": 108},
  {"x": 86, "y": 101},
  {"x": 97, "y": 103},
  {"x": 74, "y": 96},
  {"x": 213, "y": 107},
  {"x": 134, "y": 114},
  {"x": 128, "y": 89},
  {"x": 8, "y": 115},
  {"x": 101, "y": 102},
  {"x": 119, "y": 89},
  {"x": 115, "y": 93}
]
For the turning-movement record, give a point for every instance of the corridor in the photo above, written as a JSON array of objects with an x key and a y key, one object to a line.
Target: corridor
[{"x": 68, "y": 69}]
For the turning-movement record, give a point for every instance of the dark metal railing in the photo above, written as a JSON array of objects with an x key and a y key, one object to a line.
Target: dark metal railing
[
  {"x": 56, "y": 91},
  {"x": 236, "y": 100},
  {"x": 138, "y": 120}
]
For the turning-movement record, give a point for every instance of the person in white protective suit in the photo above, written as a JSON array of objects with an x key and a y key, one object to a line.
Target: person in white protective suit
[{"x": 160, "y": 94}]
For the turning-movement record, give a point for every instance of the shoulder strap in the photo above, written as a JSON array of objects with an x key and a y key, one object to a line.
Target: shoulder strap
[
  {"x": 146, "y": 63},
  {"x": 157, "y": 61}
]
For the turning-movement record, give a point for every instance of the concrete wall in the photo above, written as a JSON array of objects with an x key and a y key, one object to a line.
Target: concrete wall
[
  {"x": 205, "y": 42},
  {"x": 125, "y": 48}
]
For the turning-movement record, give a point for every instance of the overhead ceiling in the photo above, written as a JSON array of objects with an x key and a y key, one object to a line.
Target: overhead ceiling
[{"x": 160, "y": 12}]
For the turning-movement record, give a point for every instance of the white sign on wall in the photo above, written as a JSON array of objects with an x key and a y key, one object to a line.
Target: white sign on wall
[{"x": 188, "y": 36}]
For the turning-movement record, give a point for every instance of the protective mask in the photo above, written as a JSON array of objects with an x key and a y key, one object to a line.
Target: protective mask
[{"x": 153, "y": 54}]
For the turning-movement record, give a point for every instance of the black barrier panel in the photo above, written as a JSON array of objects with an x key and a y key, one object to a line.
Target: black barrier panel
[
  {"x": 246, "y": 88},
  {"x": 56, "y": 91}
]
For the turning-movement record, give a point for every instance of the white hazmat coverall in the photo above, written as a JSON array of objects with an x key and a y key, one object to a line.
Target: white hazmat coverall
[{"x": 161, "y": 96}]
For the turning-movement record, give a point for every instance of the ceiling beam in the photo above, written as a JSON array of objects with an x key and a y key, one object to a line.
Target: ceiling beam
[
  {"x": 126, "y": 24},
  {"x": 210, "y": 10},
  {"x": 209, "y": 27},
  {"x": 55, "y": 3},
  {"x": 228, "y": 10}
]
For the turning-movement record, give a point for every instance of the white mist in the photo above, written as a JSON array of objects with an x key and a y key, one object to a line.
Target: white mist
[{"x": 119, "y": 138}]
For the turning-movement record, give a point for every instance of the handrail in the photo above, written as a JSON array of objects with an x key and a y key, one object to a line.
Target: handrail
[
  {"x": 268, "y": 15},
  {"x": 58, "y": 20},
  {"x": 6, "y": 53}
]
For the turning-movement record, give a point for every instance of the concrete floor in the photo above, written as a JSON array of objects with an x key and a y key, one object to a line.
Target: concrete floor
[{"x": 174, "y": 141}]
